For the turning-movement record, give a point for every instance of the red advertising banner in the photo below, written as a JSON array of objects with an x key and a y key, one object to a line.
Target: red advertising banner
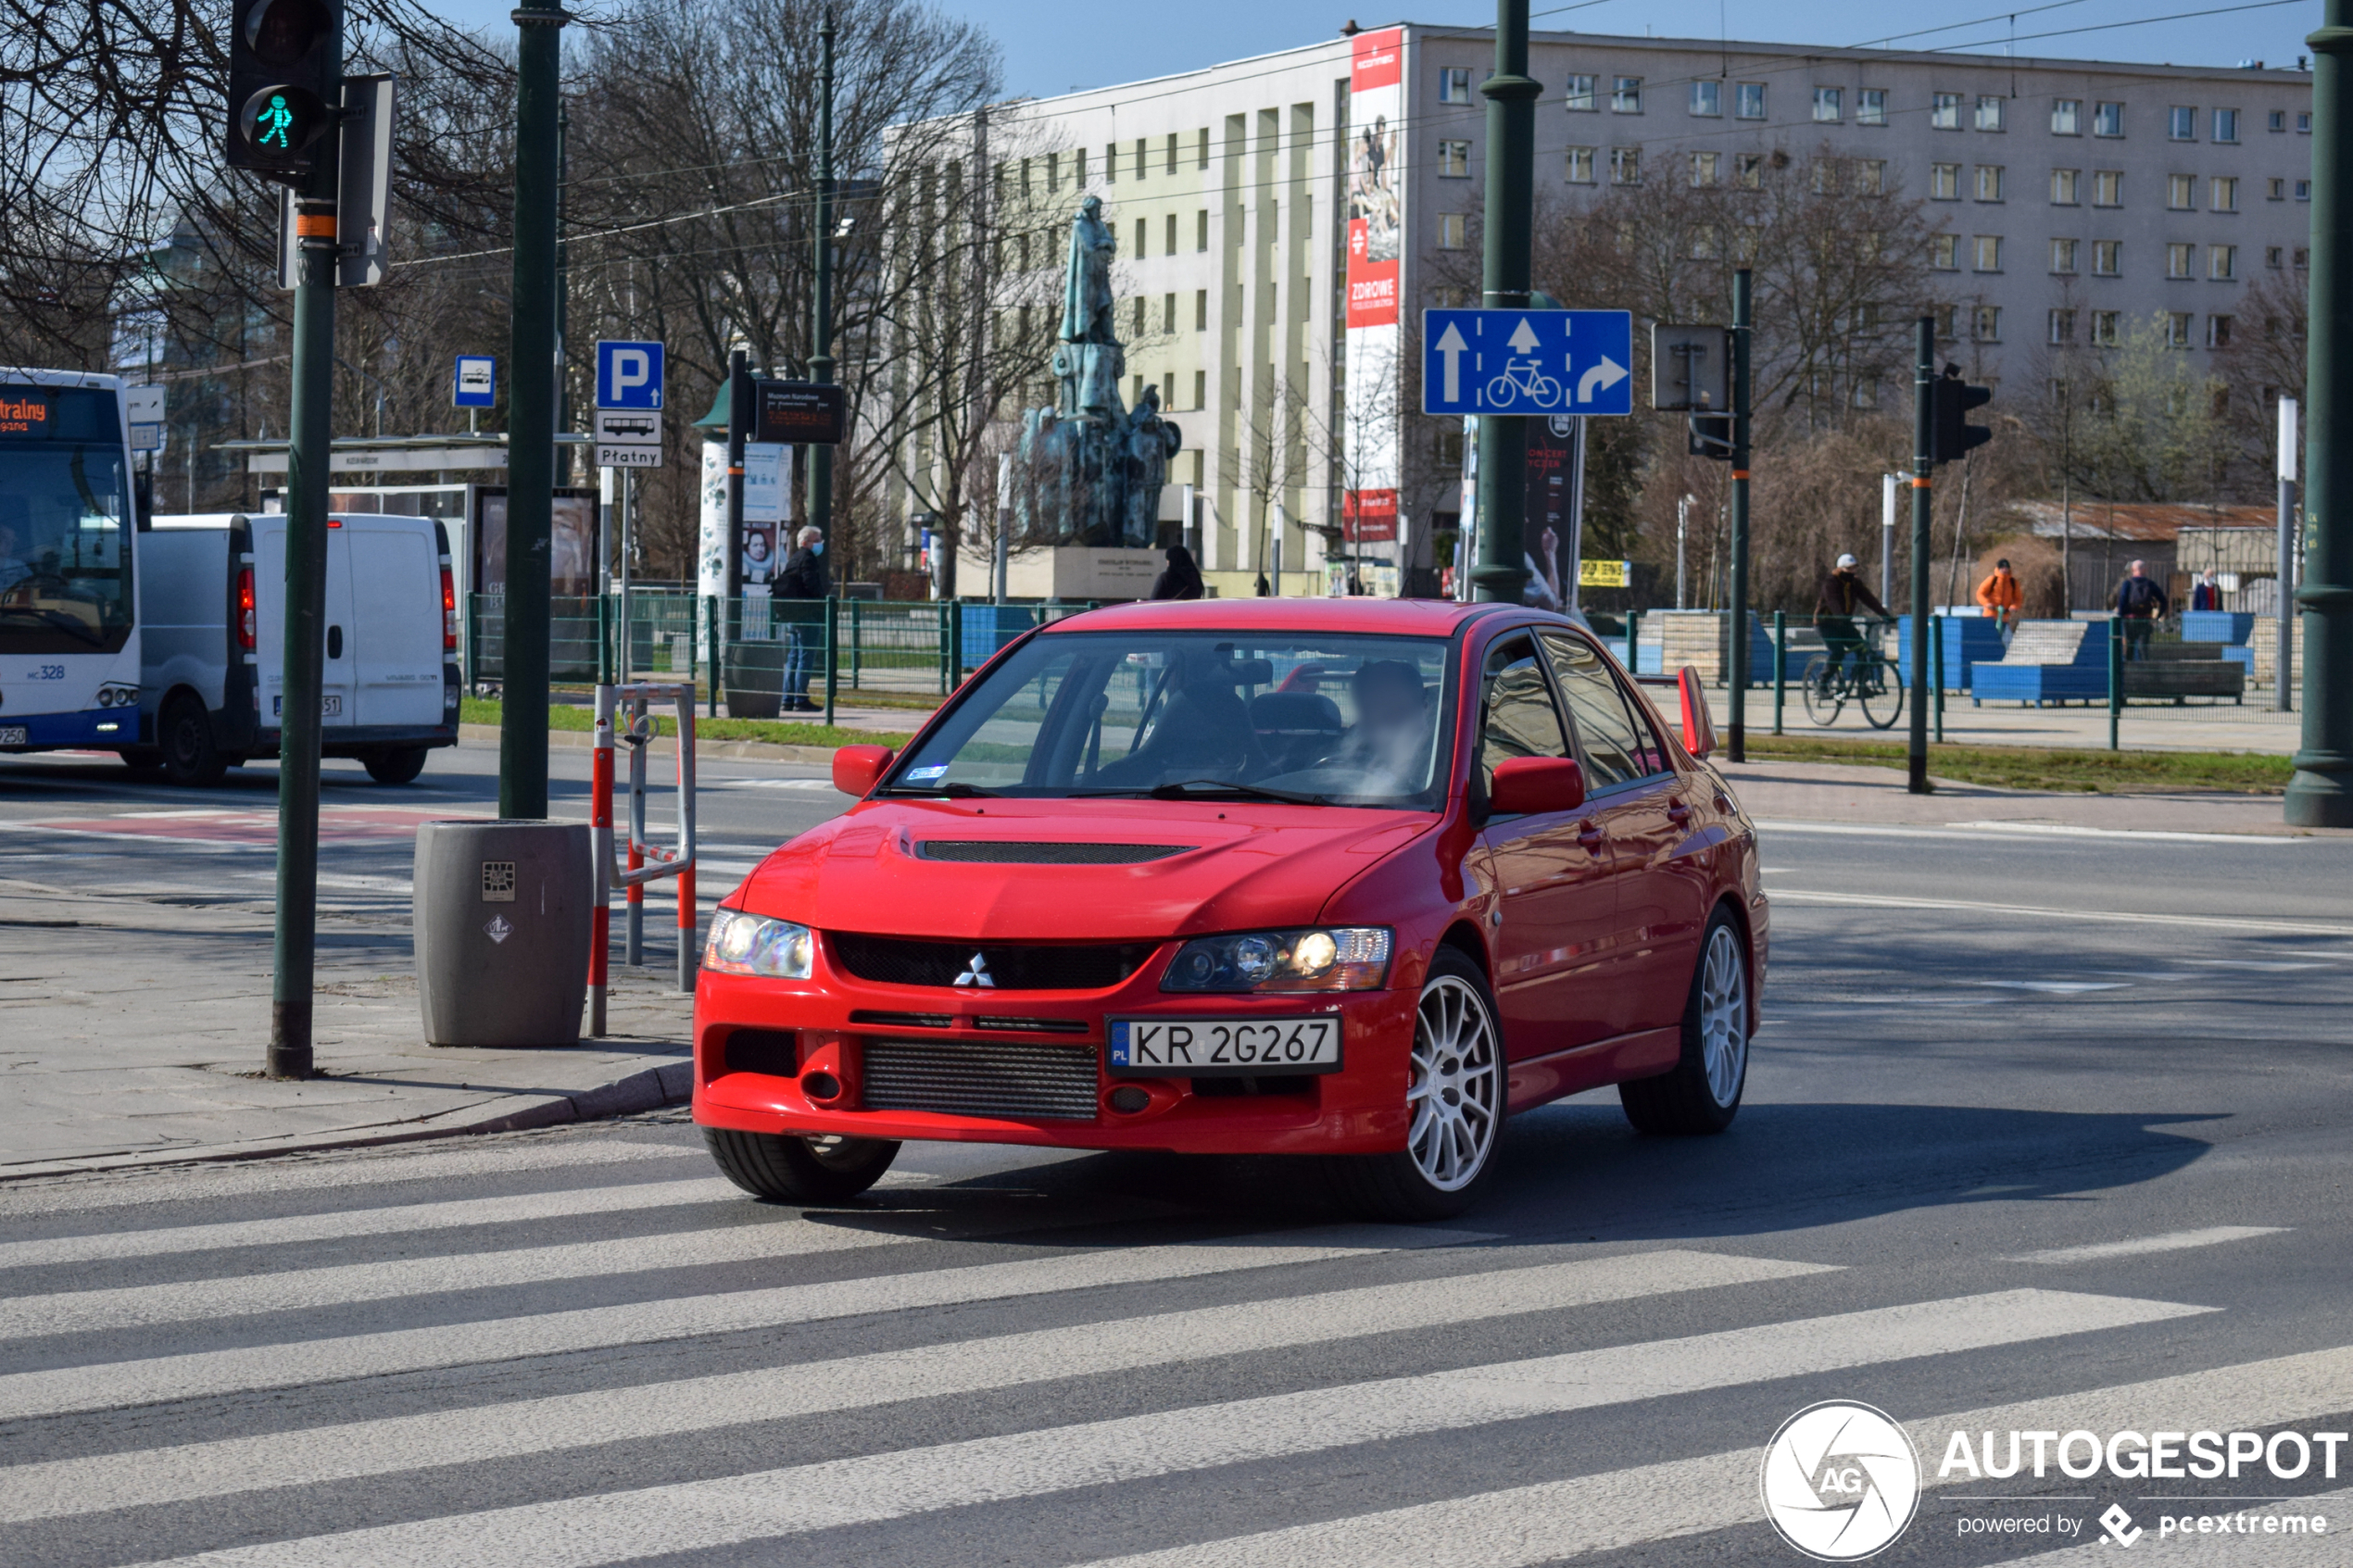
[
  {"x": 1377, "y": 60},
  {"x": 1369, "y": 517},
  {"x": 1372, "y": 285}
]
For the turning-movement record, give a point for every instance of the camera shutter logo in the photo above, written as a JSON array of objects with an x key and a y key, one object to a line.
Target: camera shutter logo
[{"x": 1840, "y": 1480}]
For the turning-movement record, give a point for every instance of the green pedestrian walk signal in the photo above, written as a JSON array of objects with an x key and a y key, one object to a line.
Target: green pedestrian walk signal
[{"x": 283, "y": 59}]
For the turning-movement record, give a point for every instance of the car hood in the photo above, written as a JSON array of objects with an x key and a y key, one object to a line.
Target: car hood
[{"x": 1236, "y": 866}]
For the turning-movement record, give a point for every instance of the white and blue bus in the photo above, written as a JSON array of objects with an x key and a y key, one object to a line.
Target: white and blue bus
[{"x": 69, "y": 621}]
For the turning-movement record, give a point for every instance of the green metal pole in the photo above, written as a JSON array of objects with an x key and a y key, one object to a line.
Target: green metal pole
[
  {"x": 1735, "y": 733},
  {"x": 563, "y": 290},
  {"x": 857, "y": 645},
  {"x": 2115, "y": 679},
  {"x": 2320, "y": 795},
  {"x": 1780, "y": 665},
  {"x": 1923, "y": 445},
  {"x": 955, "y": 643},
  {"x": 713, "y": 661},
  {"x": 531, "y": 415},
  {"x": 820, "y": 324},
  {"x": 294, "y": 955},
  {"x": 1633, "y": 640},
  {"x": 1936, "y": 661},
  {"x": 833, "y": 653},
  {"x": 1502, "y": 570},
  {"x": 942, "y": 615}
]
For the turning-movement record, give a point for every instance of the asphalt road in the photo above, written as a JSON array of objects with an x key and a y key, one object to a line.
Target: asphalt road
[{"x": 2045, "y": 1133}]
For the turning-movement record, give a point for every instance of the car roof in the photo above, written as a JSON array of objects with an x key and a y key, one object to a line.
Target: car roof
[{"x": 1402, "y": 617}]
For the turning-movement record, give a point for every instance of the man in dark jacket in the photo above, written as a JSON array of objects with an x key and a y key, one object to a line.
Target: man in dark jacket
[
  {"x": 2142, "y": 604},
  {"x": 1842, "y": 594},
  {"x": 1180, "y": 579},
  {"x": 803, "y": 577}
]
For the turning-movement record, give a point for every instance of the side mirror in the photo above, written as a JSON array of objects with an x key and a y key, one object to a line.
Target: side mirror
[
  {"x": 856, "y": 769},
  {"x": 1699, "y": 729},
  {"x": 1534, "y": 785}
]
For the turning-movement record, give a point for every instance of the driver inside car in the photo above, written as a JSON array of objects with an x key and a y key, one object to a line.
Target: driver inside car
[{"x": 1388, "y": 743}]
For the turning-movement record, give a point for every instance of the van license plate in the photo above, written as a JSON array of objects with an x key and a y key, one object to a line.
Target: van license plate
[
  {"x": 331, "y": 706},
  {"x": 1222, "y": 1048},
  {"x": 16, "y": 735}
]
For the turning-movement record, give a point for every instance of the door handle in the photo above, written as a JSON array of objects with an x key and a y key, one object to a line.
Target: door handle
[
  {"x": 1589, "y": 835},
  {"x": 1679, "y": 814},
  {"x": 335, "y": 641}
]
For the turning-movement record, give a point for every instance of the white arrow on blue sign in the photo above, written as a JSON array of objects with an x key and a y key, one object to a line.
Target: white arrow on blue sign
[
  {"x": 1527, "y": 362},
  {"x": 628, "y": 374}
]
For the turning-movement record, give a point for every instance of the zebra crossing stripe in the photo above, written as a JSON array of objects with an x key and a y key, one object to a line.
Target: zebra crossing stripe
[
  {"x": 2172, "y": 1241},
  {"x": 314, "y": 1456},
  {"x": 1524, "y": 1525},
  {"x": 112, "y": 1385},
  {"x": 616, "y": 1526}
]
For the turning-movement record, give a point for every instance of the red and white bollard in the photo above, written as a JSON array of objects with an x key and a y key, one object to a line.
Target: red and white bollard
[{"x": 601, "y": 848}]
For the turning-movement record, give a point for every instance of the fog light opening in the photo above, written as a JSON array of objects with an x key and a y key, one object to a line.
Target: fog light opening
[
  {"x": 1128, "y": 1099},
  {"x": 820, "y": 1085}
]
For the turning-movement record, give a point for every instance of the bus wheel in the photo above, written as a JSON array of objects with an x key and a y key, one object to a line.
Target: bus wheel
[{"x": 189, "y": 758}]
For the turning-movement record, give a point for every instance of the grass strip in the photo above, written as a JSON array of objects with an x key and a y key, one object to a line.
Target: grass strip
[
  {"x": 2025, "y": 767},
  {"x": 776, "y": 732}
]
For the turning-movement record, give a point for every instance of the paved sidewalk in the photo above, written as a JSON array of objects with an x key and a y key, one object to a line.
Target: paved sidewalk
[
  {"x": 132, "y": 1026},
  {"x": 1770, "y": 789}
]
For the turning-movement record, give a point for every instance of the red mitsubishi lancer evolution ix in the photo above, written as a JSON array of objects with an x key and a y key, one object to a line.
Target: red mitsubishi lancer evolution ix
[{"x": 1347, "y": 878}]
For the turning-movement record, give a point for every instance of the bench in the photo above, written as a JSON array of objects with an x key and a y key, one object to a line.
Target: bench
[{"x": 2048, "y": 661}]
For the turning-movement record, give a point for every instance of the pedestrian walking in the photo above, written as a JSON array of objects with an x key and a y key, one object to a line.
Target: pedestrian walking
[
  {"x": 2142, "y": 604},
  {"x": 1180, "y": 579},
  {"x": 803, "y": 577},
  {"x": 1999, "y": 597}
]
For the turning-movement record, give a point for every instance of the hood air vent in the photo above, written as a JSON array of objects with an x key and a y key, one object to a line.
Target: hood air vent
[{"x": 1014, "y": 852}]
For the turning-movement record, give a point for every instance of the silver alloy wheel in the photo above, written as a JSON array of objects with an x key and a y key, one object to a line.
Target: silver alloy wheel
[
  {"x": 1456, "y": 1090},
  {"x": 1723, "y": 1015}
]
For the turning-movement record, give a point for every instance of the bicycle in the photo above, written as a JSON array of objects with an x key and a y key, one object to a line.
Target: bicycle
[
  {"x": 1524, "y": 379},
  {"x": 1865, "y": 678}
]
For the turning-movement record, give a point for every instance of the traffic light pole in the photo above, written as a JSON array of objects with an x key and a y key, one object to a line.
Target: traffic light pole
[
  {"x": 1735, "y": 734},
  {"x": 2320, "y": 795},
  {"x": 531, "y": 416},
  {"x": 1502, "y": 570},
  {"x": 1923, "y": 463},
  {"x": 821, "y": 326}
]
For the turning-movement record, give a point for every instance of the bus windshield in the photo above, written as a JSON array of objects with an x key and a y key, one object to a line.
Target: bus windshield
[{"x": 65, "y": 521}]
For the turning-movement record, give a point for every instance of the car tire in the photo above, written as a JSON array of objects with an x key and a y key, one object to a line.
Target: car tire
[
  {"x": 183, "y": 733},
  {"x": 398, "y": 766},
  {"x": 1455, "y": 1101},
  {"x": 1701, "y": 1092},
  {"x": 799, "y": 1170}
]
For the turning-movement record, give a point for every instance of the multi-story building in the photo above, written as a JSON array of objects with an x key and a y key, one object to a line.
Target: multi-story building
[{"x": 1283, "y": 219}]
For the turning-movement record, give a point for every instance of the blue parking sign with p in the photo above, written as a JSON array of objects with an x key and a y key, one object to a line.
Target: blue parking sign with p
[
  {"x": 629, "y": 375},
  {"x": 1487, "y": 361}
]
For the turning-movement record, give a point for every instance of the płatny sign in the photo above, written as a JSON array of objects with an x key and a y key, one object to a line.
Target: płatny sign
[
  {"x": 1486, "y": 361},
  {"x": 798, "y": 413},
  {"x": 628, "y": 438}
]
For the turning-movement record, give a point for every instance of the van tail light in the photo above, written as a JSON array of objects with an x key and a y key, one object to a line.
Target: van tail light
[
  {"x": 449, "y": 611},
  {"x": 245, "y": 626}
]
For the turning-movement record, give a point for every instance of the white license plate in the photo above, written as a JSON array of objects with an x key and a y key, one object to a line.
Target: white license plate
[
  {"x": 15, "y": 734},
  {"x": 1222, "y": 1047},
  {"x": 331, "y": 707}
]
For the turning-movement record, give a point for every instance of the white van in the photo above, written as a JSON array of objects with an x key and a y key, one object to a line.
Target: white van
[{"x": 212, "y": 606}]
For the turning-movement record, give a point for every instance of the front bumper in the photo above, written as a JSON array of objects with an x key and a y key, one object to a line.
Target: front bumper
[{"x": 832, "y": 1018}]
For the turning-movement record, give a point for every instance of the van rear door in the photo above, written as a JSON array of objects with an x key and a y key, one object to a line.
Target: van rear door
[
  {"x": 337, "y": 688},
  {"x": 394, "y": 642}
]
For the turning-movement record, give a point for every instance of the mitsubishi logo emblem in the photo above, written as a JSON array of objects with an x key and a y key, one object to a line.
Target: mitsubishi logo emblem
[{"x": 977, "y": 974}]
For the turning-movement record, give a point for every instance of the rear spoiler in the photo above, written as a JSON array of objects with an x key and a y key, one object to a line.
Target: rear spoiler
[{"x": 1699, "y": 725}]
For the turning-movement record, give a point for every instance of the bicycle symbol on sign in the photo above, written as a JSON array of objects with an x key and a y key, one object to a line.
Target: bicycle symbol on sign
[{"x": 1523, "y": 381}]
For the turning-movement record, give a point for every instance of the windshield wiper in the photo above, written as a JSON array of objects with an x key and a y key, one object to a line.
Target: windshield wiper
[
  {"x": 1188, "y": 789},
  {"x": 954, "y": 791}
]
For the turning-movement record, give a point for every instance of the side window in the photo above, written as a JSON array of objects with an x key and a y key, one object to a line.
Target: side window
[
  {"x": 1521, "y": 720},
  {"x": 1617, "y": 744}
]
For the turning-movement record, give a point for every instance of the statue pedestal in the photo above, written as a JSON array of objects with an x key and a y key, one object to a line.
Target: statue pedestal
[{"x": 1064, "y": 572}]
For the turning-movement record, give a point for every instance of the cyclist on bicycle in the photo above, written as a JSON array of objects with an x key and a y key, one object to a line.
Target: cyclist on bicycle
[{"x": 1834, "y": 608}]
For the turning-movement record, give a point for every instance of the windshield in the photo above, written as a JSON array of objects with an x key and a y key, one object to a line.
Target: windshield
[
  {"x": 1342, "y": 720},
  {"x": 65, "y": 511}
]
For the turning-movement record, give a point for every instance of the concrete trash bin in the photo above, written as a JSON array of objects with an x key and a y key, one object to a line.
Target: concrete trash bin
[
  {"x": 501, "y": 925},
  {"x": 755, "y": 679}
]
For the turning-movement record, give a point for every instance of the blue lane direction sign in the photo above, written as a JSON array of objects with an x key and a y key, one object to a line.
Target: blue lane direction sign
[
  {"x": 1527, "y": 362},
  {"x": 477, "y": 382},
  {"x": 628, "y": 374}
]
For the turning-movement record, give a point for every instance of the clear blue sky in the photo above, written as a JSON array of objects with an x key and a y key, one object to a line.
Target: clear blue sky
[{"x": 1053, "y": 45}]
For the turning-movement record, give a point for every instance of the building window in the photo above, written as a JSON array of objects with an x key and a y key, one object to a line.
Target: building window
[
  {"x": 1708, "y": 98},
  {"x": 2107, "y": 188},
  {"x": 1822, "y": 176},
  {"x": 1450, "y": 299},
  {"x": 2177, "y": 328},
  {"x": 2067, "y": 117},
  {"x": 2304, "y": 189},
  {"x": 1454, "y": 85},
  {"x": 2274, "y": 257},
  {"x": 2180, "y": 260},
  {"x": 2105, "y": 327},
  {"x": 1201, "y": 153},
  {"x": 1079, "y": 157},
  {"x": 1111, "y": 163},
  {"x": 2063, "y": 253},
  {"x": 2303, "y": 259},
  {"x": 1707, "y": 243},
  {"x": 2108, "y": 119},
  {"x": 1945, "y": 112},
  {"x": 1986, "y": 324},
  {"x": 2222, "y": 194},
  {"x": 1172, "y": 154},
  {"x": 1143, "y": 233},
  {"x": 1580, "y": 98},
  {"x": 2279, "y": 119},
  {"x": 1136, "y": 325},
  {"x": 2218, "y": 332},
  {"x": 1989, "y": 253},
  {"x": 2062, "y": 326},
  {"x": 1748, "y": 168},
  {"x": 1944, "y": 182},
  {"x": 2303, "y": 122},
  {"x": 2226, "y": 125},
  {"x": 2181, "y": 124},
  {"x": 1625, "y": 94},
  {"x": 1169, "y": 233},
  {"x": 1704, "y": 169},
  {"x": 2222, "y": 263},
  {"x": 1748, "y": 100},
  {"x": 1580, "y": 166},
  {"x": 2108, "y": 259},
  {"x": 1948, "y": 322},
  {"x": 1201, "y": 316},
  {"x": 1871, "y": 176},
  {"x": 1944, "y": 252},
  {"x": 1451, "y": 228},
  {"x": 1201, "y": 400},
  {"x": 1168, "y": 315},
  {"x": 2181, "y": 193},
  {"x": 2276, "y": 190},
  {"x": 1625, "y": 165},
  {"x": 1866, "y": 392},
  {"x": 1988, "y": 112},
  {"x": 1989, "y": 181},
  {"x": 1200, "y": 229},
  {"x": 1454, "y": 160},
  {"x": 1870, "y": 106},
  {"x": 2065, "y": 185},
  {"x": 1828, "y": 106}
]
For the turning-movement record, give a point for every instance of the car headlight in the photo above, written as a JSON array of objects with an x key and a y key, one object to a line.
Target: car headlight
[
  {"x": 1343, "y": 958},
  {"x": 748, "y": 943}
]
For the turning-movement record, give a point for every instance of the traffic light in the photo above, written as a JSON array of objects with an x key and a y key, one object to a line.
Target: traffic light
[
  {"x": 283, "y": 65},
  {"x": 1955, "y": 437}
]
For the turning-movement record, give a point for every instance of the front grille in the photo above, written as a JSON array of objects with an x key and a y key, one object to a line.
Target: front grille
[
  {"x": 1006, "y": 852},
  {"x": 981, "y": 1078},
  {"x": 950, "y": 1021},
  {"x": 1010, "y": 966}
]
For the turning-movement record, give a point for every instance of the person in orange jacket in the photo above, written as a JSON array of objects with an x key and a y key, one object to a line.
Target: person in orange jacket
[{"x": 1998, "y": 596}]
